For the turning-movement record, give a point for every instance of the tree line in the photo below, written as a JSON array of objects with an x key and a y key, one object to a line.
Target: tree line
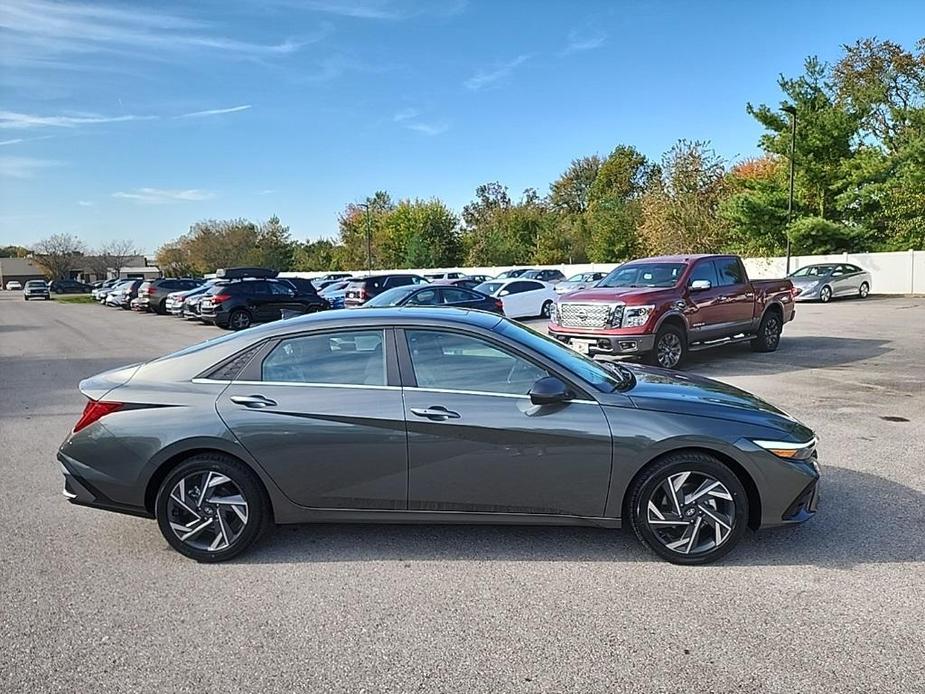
[{"x": 859, "y": 161}]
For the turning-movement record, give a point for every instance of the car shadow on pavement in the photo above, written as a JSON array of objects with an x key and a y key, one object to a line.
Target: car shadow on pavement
[
  {"x": 863, "y": 519},
  {"x": 798, "y": 352}
]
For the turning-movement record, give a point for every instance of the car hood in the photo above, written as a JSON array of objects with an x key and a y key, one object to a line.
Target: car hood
[
  {"x": 672, "y": 391},
  {"x": 629, "y": 295}
]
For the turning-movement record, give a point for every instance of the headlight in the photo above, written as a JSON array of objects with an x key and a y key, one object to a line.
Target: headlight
[
  {"x": 788, "y": 449},
  {"x": 554, "y": 312},
  {"x": 636, "y": 316}
]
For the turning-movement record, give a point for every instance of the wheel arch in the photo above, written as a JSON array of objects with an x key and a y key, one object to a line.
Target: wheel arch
[
  {"x": 751, "y": 489},
  {"x": 175, "y": 458},
  {"x": 674, "y": 318}
]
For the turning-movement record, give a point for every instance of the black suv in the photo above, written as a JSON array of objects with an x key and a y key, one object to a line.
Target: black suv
[
  {"x": 552, "y": 276},
  {"x": 361, "y": 290},
  {"x": 152, "y": 295},
  {"x": 69, "y": 287},
  {"x": 236, "y": 304}
]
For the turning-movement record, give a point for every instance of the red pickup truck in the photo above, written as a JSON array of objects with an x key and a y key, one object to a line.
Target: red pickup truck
[{"x": 662, "y": 308}]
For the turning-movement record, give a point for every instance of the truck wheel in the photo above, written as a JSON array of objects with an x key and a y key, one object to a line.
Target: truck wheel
[
  {"x": 670, "y": 348},
  {"x": 769, "y": 331}
]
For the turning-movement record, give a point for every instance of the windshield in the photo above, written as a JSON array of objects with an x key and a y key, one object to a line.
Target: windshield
[
  {"x": 603, "y": 378},
  {"x": 490, "y": 288},
  {"x": 644, "y": 275},
  {"x": 813, "y": 271},
  {"x": 391, "y": 297},
  {"x": 35, "y": 283}
]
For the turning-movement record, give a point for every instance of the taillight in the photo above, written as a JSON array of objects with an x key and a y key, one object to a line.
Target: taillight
[
  {"x": 94, "y": 410},
  {"x": 363, "y": 293},
  {"x": 219, "y": 298},
  {"x": 151, "y": 290},
  {"x": 499, "y": 305}
]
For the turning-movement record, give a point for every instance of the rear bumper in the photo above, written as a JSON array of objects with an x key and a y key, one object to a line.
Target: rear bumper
[
  {"x": 608, "y": 345},
  {"x": 80, "y": 491}
]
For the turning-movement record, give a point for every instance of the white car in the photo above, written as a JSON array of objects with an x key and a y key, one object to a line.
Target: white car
[
  {"x": 13, "y": 285},
  {"x": 521, "y": 298}
]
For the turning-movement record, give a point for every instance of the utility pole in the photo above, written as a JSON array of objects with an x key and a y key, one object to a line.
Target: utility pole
[{"x": 793, "y": 138}]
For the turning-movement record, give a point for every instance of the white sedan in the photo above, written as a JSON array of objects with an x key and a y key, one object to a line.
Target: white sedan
[
  {"x": 521, "y": 298},
  {"x": 13, "y": 285}
]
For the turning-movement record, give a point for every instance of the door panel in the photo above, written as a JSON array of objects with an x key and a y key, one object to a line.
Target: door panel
[
  {"x": 477, "y": 443},
  {"x": 737, "y": 298},
  {"x": 322, "y": 421}
]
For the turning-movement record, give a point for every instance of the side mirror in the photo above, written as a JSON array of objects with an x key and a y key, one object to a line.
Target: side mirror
[
  {"x": 503, "y": 292},
  {"x": 549, "y": 390},
  {"x": 837, "y": 274},
  {"x": 701, "y": 285}
]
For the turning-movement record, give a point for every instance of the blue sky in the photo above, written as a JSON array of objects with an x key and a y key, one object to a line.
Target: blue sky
[{"x": 134, "y": 120}]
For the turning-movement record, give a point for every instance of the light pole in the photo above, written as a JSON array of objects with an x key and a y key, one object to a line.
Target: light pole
[
  {"x": 369, "y": 238},
  {"x": 790, "y": 109}
]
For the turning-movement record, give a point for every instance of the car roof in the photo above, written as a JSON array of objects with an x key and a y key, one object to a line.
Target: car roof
[
  {"x": 383, "y": 317},
  {"x": 688, "y": 258}
]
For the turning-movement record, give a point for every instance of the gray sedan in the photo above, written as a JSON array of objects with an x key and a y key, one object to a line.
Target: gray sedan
[
  {"x": 825, "y": 281},
  {"x": 430, "y": 416}
]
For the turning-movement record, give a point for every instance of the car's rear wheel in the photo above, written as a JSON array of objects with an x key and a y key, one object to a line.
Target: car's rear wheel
[
  {"x": 161, "y": 308},
  {"x": 211, "y": 508},
  {"x": 670, "y": 348},
  {"x": 546, "y": 311},
  {"x": 688, "y": 508},
  {"x": 768, "y": 338},
  {"x": 239, "y": 319},
  {"x": 864, "y": 290},
  {"x": 825, "y": 295}
]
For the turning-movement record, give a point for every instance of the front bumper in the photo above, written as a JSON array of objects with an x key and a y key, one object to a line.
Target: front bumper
[
  {"x": 37, "y": 295},
  {"x": 810, "y": 294},
  {"x": 606, "y": 345}
]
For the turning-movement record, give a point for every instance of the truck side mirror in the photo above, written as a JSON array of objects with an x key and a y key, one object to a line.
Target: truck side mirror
[{"x": 700, "y": 285}]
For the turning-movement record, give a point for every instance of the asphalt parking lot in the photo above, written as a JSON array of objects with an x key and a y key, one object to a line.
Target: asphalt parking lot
[{"x": 97, "y": 602}]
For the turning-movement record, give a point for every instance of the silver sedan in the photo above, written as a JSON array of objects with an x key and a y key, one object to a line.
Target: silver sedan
[{"x": 825, "y": 281}]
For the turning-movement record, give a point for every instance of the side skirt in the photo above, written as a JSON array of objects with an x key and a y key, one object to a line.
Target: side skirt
[{"x": 305, "y": 515}]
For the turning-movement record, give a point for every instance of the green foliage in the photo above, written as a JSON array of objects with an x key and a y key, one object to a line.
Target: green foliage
[
  {"x": 13, "y": 252},
  {"x": 316, "y": 256},
  {"x": 755, "y": 206},
  {"x": 817, "y": 236}
]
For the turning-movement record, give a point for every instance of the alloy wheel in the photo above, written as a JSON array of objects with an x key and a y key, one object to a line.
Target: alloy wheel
[
  {"x": 691, "y": 513},
  {"x": 825, "y": 295},
  {"x": 547, "y": 309},
  {"x": 864, "y": 290},
  {"x": 772, "y": 329},
  {"x": 207, "y": 511},
  {"x": 668, "y": 350},
  {"x": 240, "y": 320}
]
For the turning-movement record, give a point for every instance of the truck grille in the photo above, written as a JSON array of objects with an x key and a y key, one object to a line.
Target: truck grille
[{"x": 590, "y": 315}]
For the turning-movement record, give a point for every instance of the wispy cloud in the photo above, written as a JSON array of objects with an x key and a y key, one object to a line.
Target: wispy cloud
[
  {"x": 40, "y": 30},
  {"x": 381, "y": 9},
  {"x": 14, "y": 141},
  {"x": 429, "y": 128},
  {"x": 499, "y": 72},
  {"x": 268, "y": 191},
  {"x": 24, "y": 167},
  {"x": 157, "y": 196},
  {"x": 14, "y": 120},
  {"x": 583, "y": 40},
  {"x": 214, "y": 112},
  {"x": 405, "y": 114},
  {"x": 85, "y": 203}
]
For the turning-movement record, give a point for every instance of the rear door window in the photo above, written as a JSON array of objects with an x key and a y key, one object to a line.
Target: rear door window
[
  {"x": 340, "y": 358},
  {"x": 425, "y": 297},
  {"x": 729, "y": 271},
  {"x": 455, "y": 295}
]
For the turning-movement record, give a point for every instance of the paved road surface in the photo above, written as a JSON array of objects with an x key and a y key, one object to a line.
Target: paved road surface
[{"x": 94, "y": 601}]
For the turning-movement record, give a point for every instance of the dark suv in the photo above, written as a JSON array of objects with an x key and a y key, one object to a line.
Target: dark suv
[
  {"x": 152, "y": 295},
  {"x": 69, "y": 287},
  {"x": 361, "y": 290},
  {"x": 551, "y": 276},
  {"x": 236, "y": 304}
]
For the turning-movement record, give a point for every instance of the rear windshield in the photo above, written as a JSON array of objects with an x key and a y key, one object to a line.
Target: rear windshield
[
  {"x": 391, "y": 297},
  {"x": 489, "y": 288}
]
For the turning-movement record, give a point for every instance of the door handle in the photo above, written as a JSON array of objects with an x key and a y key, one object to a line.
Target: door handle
[
  {"x": 437, "y": 413},
  {"x": 253, "y": 401}
]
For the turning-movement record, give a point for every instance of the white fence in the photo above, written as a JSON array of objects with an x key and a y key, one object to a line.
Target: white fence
[{"x": 902, "y": 272}]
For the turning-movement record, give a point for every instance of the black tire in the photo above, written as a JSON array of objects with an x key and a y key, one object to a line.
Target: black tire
[
  {"x": 546, "y": 311},
  {"x": 239, "y": 319},
  {"x": 650, "y": 481},
  {"x": 252, "y": 491},
  {"x": 863, "y": 290},
  {"x": 670, "y": 348},
  {"x": 161, "y": 308},
  {"x": 825, "y": 294},
  {"x": 25, "y": 298},
  {"x": 768, "y": 338}
]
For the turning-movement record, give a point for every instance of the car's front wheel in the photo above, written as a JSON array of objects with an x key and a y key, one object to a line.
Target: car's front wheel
[
  {"x": 211, "y": 508},
  {"x": 670, "y": 348},
  {"x": 688, "y": 507},
  {"x": 864, "y": 290},
  {"x": 825, "y": 295}
]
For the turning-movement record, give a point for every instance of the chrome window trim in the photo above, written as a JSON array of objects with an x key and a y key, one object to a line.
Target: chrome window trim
[
  {"x": 315, "y": 385},
  {"x": 453, "y": 391}
]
